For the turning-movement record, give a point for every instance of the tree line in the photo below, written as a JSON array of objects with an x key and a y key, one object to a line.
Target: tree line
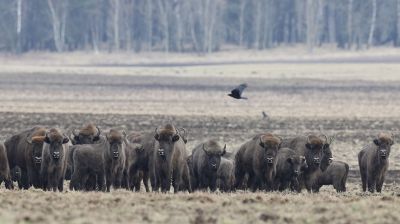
[{"x": 201, "y": 26}]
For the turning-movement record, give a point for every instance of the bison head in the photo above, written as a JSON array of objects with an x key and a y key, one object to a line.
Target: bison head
[
  {"x": 87, "y": 135},
  {"x": 116, "y": 139},
  {"x": 327, "y": 156},
  {"x": 297, "y": 164},
  {"x": 314, "y": 150},
  {"x": 166, "y": 138},
  {"x": 36, "y": 140},
  {"x": 55, "y": 139},
  {"x": 213, "y": 152},
  {"x": 384, "y": 143},
  {"x": 271, "y": 144}
]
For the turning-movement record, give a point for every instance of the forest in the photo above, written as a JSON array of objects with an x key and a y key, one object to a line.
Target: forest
[{"x": 200, "y": 26}]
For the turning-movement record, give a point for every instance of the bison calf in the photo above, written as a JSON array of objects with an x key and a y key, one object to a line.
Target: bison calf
[
  {"x": 206, "y": 159},
  {"x": 289, "y": 166},
  {"x": 373, "y": 160},
  {"x": 226, "y": 175},
  {"x": 335, "y": 174}
]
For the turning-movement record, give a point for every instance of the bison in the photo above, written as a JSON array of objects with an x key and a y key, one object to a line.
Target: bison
[
  {"x": 206, "y": 159},
  {"x": 289, "y": 166},
  {"x": 169, "y": 161},
  {"x": 54, "y": 160},
  {"x": 25, "y": 151},
  {"x": 373, "y": 160},
  {"x": 256, "y": 158},
  {"x": 133, "y": 176},
  {"x": 226, "y": 175},
  {"x": 5, "y": 168},
  {"x": 105, "y": 160},
  {"x": 311, "y": 147},
  {"x": 86, "y": 135},
  {"x": 335, "y": 174}
]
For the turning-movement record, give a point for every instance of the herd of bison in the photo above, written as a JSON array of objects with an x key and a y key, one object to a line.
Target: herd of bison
[{"x": 96, "y": 160}]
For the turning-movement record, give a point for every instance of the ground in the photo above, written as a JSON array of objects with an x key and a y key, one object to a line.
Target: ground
[{"x": 351, "y": 97}]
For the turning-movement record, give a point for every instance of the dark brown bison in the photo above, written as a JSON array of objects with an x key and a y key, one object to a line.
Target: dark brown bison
[
  {"x": 256, "y": 158},
  {"x": 206, "y": 159},
  {"x": 54, "y": 160},
  {"x": 5, "y": 174},
  {"x": 133, "y": 176},
  {"x": 226, "y": 175},
  {"x": 373, "y": 160},
  {"x": 289, "y": 166},
  {"x": 106, "y": 160},
  {"x": 311, "y": 147},
  {"x": 88, "y": 134},
  {"x": 335, "y": 174},
  {"x": 169, "y": 161},
  {"x": 25, "y": 151}
]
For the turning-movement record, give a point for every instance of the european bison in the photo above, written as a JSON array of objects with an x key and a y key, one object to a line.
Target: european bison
[
  {"x": 256, "y": 158},
  {"x": 169, "y": 161},
  {"x": 373, "y": 160},
  {"x": 105, "y": 160},
  {"x": 86, "y": 135},
  {"x": 5, "y": 169},
  {"x": 311, "y": 147},
  {"x": 54, "y": 160},
  {"x": 289, "y": 166},
  {"x": 335, "y": 174},
  {"x": 226, "y": 175},
  {"x": 132, "y": 175},
  {"x": 206, "y": 159},
  {"x": 25, "y": 151}
]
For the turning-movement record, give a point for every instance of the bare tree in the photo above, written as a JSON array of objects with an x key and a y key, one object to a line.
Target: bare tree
[
  {"x": 373, "y": 22},
  {"x": 349, "y": 24},
  {"x": 241, "y": 21},
  {"x": 58, "y": 12},
  {"x": 19, "y": 24},
  {"x": 398, "y": 22}
]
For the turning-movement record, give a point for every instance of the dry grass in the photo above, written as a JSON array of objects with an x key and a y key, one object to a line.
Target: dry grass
[{"x": 35, "y": 206}]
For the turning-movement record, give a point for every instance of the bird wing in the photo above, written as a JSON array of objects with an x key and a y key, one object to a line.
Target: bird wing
[{"x": 241, "y": 87}]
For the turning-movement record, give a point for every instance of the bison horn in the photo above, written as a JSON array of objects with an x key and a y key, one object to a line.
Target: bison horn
[
  {"x": 75, "y": 132},
  {"x": 156, "y": 131},
  {"x": 308, "y": 139},
  {"x": 29, "y": 139},
  {"x": 98, "y": 131},
  {"x": 204, "y": 148}
]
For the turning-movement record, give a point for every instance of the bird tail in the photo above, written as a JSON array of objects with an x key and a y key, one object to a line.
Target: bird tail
[{"x": 244, "y": 98}]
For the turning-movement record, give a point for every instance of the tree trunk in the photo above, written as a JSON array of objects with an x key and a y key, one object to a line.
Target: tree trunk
[
  {"x": 350, "y": 24},
  {"x": 241, "y": 21},
  {"x": 398, "y": 22},
  {"x": 58, "y": 23},
  {"x": 164, "y": 18},
  {"x": 19, "y": 25},
  {"x": 373, "y": 22},
  {"x": 331, "y": 22},
  {"x": 310, "y": 25},
  {"x": 149, "y": 22},
  {"x": 116, "y": 24},
  {"x": 257, "y": 24}
]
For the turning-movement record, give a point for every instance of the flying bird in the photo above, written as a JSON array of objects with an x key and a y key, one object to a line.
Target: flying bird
[{"x": 237, "y": 92}]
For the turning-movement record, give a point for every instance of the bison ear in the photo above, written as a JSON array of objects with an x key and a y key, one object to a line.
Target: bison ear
[
  {"x": 290, "y": 160},
  {"x": 96, "y": 138},
  {"x": 308, "y": 146},
  {"x": 262, "y": 144},
  {"x": 65, "y": 140},
  {"x": 47, "y": 140},
  {"x": 157, "y": 136},
  {"x": 376, "y": 142},
  {"x": 175, "y": 138},
  {"x": 327, "y": 145}
]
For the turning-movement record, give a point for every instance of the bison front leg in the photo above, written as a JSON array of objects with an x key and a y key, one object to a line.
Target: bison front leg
[
  {"x": 61, "y": 184},
  {"x": 24, "y": 180},
  {"x": 177, "y": 180},
  {"x": 371, "y": 184},
  {"x": 101, "y": 181},
  {"x": 109, "y": 180},
  {"x": 379, "y": 184},
  {"x": 146, "y": 180}
]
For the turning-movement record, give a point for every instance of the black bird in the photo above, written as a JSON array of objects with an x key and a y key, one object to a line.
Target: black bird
[
  {"x": 237, "y": 92},
  {"x": 265, "y": 115}
]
